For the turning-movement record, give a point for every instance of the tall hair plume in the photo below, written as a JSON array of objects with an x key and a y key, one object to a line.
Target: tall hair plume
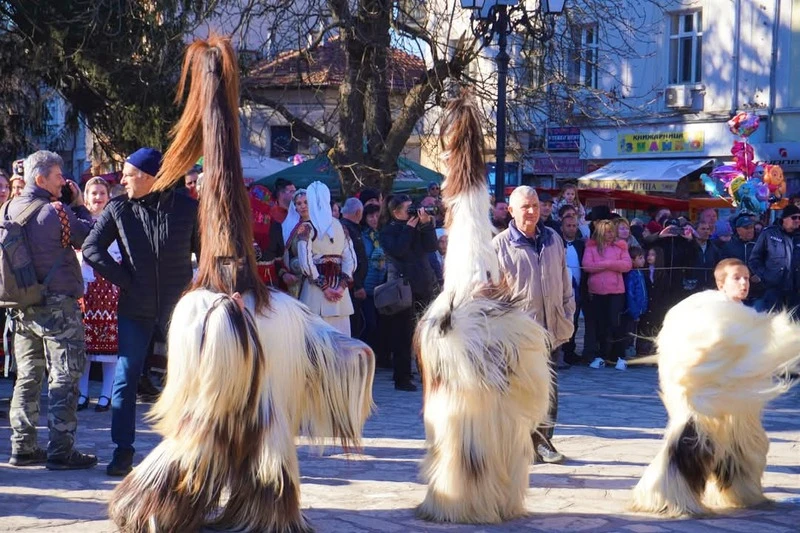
[
  {"x": 462, "y": 140},
  {"x": 470, "y": 256},
  {"x": 209, "y": 126}
]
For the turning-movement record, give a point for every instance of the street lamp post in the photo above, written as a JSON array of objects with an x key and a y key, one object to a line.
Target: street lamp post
[{"x": 499, "y": 18}]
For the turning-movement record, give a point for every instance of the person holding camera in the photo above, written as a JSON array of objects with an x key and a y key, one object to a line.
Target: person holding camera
[
  {"x": 49, "y": 336},
  {"x": 407, "y": 237}
]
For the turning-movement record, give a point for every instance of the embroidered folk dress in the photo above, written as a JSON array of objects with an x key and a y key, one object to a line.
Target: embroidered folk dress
[
  {"x": 100, "y": 312},
  {"x": 327, "y": 262}
]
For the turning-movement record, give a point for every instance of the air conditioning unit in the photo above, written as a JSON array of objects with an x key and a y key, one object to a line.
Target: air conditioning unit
[{"x": 678, "y": 97}]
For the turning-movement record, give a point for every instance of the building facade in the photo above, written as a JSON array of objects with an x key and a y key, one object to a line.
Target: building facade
[{"x": 707, "y": 60}]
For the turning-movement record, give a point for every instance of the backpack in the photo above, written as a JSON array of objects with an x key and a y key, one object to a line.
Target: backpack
[{"x": 19, "y": 286}]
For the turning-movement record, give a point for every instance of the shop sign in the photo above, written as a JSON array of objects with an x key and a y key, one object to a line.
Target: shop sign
[
  {"x": 660, "y": 143},
  {"x": 563, "y": 139}
]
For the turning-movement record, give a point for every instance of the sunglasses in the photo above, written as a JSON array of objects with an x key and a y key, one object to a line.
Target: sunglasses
[{"x": 795, "y": 217}]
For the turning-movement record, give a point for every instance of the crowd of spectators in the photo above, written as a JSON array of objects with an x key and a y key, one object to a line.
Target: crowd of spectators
[{"x": 134, "y": 256}]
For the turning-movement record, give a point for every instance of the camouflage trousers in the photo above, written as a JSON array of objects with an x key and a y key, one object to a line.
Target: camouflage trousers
[{"x": 48, "y": 337}]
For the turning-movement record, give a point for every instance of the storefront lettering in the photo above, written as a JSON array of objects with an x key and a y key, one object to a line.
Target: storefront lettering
[{"x": 660, "y": 143}]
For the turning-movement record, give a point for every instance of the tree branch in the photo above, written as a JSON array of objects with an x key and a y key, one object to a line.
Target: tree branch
[{"x": 291, "y": 118}]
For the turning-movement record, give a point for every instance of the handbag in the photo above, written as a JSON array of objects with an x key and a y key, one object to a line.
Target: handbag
[{"x": 393, "y": 296}]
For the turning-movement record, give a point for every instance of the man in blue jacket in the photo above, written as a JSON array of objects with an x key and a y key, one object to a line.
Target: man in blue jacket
[
  {"x": 50, "y": 336},
  {"x": 157, "y": 233}
]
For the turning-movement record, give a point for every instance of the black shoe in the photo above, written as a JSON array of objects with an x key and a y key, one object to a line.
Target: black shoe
[
  {"x": 83, "y": 402},
  {"x": 146, "y": 391},
  {"x": 405, "y": 385},
  {"x": 102, "y": 407},
  {"x": 546, "y": 454},
  {"x": 75, "y": 460},
  {"x": 121, "y": 465},
  {"x": 36, "y": 457}
]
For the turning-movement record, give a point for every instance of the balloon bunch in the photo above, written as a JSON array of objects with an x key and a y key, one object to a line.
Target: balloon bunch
[{"x": 751, "y": 186}]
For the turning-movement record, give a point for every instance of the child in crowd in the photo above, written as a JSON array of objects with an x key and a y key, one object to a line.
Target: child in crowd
[
  {"x": 624, "y": 233},
  {"x": 657, "y": 283},
  {"x": 635, "y": 307},
  {"x": 569, "y": 196},
  {"x": 733, "y": 279}
]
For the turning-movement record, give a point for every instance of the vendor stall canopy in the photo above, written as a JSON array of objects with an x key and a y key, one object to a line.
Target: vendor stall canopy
[
  {"x": 643, "y": 176},
  {"x": 411, "y": 176}
]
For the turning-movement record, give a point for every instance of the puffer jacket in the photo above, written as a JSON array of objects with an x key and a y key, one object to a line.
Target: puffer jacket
[
  {"x": 635, "y": 294},
  {"x": 157, "y": 234},
  {"x": 605, "y": 269},
  {"x": 771, "y": 259},
  {"x": 43, "y": 233}
]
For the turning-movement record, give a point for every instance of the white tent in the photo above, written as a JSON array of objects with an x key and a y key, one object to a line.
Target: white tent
[{"x": 256, "y": 166}]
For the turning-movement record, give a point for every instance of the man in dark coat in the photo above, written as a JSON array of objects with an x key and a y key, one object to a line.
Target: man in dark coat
[
  {"x": 574, "y": 248},
  {"x": 774, "y": 261},
  {"x": 157, "y": 234}
]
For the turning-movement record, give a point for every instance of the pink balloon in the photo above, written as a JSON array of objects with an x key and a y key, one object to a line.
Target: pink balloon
[{"x": 744, "y": 124}]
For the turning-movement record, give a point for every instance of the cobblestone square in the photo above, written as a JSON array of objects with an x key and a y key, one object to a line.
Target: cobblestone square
[{"x": 609, "y": 427}]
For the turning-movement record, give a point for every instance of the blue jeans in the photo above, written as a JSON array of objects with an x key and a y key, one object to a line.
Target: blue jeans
[{"x": 134, "y": 339}]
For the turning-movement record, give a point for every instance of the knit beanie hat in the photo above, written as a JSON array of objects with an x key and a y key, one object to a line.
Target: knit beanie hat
[{"x": 148, "y": 160}]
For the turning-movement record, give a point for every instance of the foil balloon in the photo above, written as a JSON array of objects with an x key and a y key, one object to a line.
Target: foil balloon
[
  {"x": 712, "y": 186},
  {"x": 774, "y": 179},
  {"x": 743, "y": 124},
  {"x": 725, "y": 173}
]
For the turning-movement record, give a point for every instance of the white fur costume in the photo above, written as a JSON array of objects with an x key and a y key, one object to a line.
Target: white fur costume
[
  {"x": 484, "y": 364},
  {"x": 234, "y": 400},
  {"x": 719, "y": 363}
]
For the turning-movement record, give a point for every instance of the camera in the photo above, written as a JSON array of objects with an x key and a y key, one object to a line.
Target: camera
[
  {"x": 430, "y": 209},
  {"x": 19, "y": 167}
]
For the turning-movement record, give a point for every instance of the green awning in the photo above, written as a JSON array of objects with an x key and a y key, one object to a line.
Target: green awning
[{"x": 411, "y": 176}]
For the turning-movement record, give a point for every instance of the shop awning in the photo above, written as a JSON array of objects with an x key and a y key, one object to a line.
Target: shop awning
[{"x": 643, "y": 176}]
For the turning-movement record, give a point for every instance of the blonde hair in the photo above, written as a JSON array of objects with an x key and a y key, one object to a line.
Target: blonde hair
[
  {"x": 600, "y": 227},
  {"x": 97, "y": 180},
  {"x": 720, "y": 270}
]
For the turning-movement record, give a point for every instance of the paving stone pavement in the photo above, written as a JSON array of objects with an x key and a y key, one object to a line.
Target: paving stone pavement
[{"x": 609, "y": 426}]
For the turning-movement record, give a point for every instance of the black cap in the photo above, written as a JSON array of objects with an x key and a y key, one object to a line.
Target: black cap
[
  {"x": 790, "y": 210},
  {"x": 545, "y": 197}
]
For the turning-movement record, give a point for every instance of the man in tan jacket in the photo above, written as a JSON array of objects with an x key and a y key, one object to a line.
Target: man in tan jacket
[{"x": 533, "y": 261}]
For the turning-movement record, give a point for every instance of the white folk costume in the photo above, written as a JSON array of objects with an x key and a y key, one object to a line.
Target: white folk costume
[
  {"x": 248, "y": 368},
  {"x": 327, "y": 259},
  {"x": 719, "y": 363},
  {"x": 483, "y": 360}
]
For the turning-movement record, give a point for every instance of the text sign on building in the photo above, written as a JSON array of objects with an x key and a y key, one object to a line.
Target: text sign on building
[
  {"x": 660, "y": 143},
  {"x": 563, "y": 139}
]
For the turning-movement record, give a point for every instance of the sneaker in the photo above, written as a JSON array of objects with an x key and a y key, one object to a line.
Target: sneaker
[
  {"x": 405, "y": 385},
  {"x": 621, "y": 364},
  {"x": 75, "y": 460},
  {"x": 37, "y": 457},
  {"x": 545, "y": 454},
  {"x": 598, "y": 362},
  {"x": 121, "y": 465}
]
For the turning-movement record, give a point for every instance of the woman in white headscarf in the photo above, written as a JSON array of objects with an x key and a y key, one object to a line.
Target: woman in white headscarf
[
  {"x": 296, "y": 224},
  {"x": 327, "y": 261}
]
